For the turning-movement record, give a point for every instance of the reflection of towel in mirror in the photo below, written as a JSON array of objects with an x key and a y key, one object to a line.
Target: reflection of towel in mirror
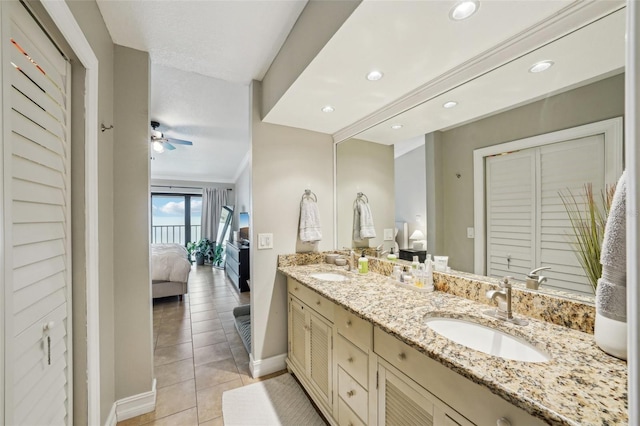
[
  {"x": 309, "y": 221},
  {"x": 362, "y": 221},
  {"x": 611, "y": 293}
]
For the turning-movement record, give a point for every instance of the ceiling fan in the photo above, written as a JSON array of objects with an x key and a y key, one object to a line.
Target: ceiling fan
[{"x": 159, "y": 143}]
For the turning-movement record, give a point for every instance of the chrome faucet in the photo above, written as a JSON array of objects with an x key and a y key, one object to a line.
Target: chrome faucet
[
  {"x": 350, "y": 259},
  {"x": 534, "y": 280},
  {"x": 380, "y": 251},
  {"x": 503, "y": 297}
]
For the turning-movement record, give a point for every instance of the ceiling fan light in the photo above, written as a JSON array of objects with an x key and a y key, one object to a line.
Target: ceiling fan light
[
  {"x": 158, "y": 147},
  {"x": 156, "y": 134}
]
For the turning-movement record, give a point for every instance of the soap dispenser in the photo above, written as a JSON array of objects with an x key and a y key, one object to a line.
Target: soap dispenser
[
  {"x": 363, "y": 264},
  {"x": 392, "y": 257}
]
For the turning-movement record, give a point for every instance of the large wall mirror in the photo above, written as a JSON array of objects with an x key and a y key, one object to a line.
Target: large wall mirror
[{"x": 421, "y": 162}]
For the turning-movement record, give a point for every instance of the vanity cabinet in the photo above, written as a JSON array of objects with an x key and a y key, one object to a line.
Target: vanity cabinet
[
  {"x": 310, "y": 343},
  {"x": 457, "y": 400},
  {"x": 358, "y": 374}
]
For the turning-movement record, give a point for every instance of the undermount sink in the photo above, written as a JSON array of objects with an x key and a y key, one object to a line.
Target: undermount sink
[
  {"x": 487, "y": 340},
  {"x": 328, "y": 276}
]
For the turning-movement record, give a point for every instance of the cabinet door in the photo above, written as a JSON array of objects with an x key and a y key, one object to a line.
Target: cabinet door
[
  {"x": 297, "y": 334},
  {"x": 402, "y": 402},
  {"x": 320, "y": 355}
]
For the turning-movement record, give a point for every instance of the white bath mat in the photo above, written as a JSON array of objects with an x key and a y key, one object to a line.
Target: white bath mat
[{"x": 277, "y": 401}]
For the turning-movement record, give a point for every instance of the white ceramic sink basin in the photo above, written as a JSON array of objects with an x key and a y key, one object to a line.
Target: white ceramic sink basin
[
  {"x": 487, "y": 340},
  {"x": 328, "y": 276}
]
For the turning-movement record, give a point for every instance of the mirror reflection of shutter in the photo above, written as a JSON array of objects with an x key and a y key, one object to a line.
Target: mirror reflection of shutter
[
  {"x": 566, "y": 165},
  {"x": 510, "y": 215}
]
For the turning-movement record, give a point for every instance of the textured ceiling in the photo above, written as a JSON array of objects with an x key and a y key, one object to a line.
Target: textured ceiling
[
  {"x": 230, "y": 40},
  {"x": 203, "y": 56}
]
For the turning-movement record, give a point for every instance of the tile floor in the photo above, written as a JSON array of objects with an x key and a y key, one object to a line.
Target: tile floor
[{"x": 197, "y": 354}]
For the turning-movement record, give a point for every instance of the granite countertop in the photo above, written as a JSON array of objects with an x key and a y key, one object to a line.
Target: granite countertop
[{"x": 580, "y": 385}]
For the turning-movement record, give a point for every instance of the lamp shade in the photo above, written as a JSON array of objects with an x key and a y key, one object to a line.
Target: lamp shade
[{"x": 417, "y": 235}]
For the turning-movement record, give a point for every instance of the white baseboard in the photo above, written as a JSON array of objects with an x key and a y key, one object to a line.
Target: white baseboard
[
  {"x": 111, "y": 419},
  {"x": 262, "y": 367},
  {"x": 132, "y": 406}
]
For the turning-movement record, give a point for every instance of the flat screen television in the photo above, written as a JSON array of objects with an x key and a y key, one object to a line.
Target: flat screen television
[{"x": 243, "y": 226}]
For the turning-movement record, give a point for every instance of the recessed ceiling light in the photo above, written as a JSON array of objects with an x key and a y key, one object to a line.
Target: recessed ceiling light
[
  {"x": 328, "y": 108},
  {"x": 396, "y": 126},
  {"x": 541, "y": 66},
  {"x": 374, "y": 75},
  {"x": 449, "y": 104},
  {"x": 464, "y": 9}
]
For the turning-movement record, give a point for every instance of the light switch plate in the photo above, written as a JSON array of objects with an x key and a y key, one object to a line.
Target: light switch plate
[
  {"x": 471, "y": 233},
  {"x": 265, "y": 241},
  {"x": 388, "y": 234}
]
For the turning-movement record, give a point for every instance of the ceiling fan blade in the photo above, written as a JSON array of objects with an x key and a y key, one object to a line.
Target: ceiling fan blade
[
  {"x": 169, "y": 146},
  {"x": 179, "y": 141}
]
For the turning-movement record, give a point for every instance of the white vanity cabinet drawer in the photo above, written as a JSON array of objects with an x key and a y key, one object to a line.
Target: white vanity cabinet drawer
[
  {"x": 352, "y": 360},
  {"x": 353, "y": 394},
  {"x": 346, "y": 417},
  {"x": 312, "y": 299},
  {"x": 354, "y": 328}
]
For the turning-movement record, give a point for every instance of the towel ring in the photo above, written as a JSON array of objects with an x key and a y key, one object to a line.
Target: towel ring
[
  {"x": 362, "y": 195},
  {"x": 309, "y": 194}
]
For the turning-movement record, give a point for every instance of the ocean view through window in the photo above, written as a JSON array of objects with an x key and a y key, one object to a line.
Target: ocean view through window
[{"x": 175, "y": 218}]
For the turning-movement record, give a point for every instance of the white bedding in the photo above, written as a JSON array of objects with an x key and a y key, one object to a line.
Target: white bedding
[{"x": 169, "y": 263}]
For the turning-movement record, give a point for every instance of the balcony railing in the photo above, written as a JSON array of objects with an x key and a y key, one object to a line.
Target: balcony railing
[{"x": 163, "y": 234}]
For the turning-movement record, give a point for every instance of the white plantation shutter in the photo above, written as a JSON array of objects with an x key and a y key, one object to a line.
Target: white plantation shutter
[
  {"x": 566, "y": 166},
  {"x": 527, "y": 224},
  {"x": 511, "y": 242},
  {"x": 37, "y": 252}
]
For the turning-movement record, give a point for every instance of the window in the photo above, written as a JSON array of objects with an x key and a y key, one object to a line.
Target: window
[
  {"x": 175, "y": 218},
  {"x": 520, "y": 219}
]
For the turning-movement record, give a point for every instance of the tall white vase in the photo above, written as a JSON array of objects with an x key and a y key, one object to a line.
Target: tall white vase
[{"x": 611, "y": 336}]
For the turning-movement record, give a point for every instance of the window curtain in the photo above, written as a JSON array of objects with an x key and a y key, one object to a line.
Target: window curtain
[{"x": 212, "y": 201}]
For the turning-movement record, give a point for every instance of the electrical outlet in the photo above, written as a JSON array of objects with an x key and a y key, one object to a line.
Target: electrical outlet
[
  {"x": 471, "y": 233},
  {"x": 388, "y": 234},
  {"x": 265, "y": 241}
]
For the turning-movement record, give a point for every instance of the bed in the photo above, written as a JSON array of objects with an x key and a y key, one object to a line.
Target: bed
[{"x": 169, "y": 270}]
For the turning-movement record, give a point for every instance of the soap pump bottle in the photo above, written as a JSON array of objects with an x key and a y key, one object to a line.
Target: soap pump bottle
[
  {"x": 363, "y": 264},
  {"x": 392, "y": 257}
]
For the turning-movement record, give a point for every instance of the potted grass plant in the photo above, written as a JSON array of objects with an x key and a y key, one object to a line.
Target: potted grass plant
[{"x": 588, "y": 218}]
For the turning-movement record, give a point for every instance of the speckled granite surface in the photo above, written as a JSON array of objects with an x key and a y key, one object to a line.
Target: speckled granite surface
[
  {"x": 565, "y": 309},
  {"x": 581, "y": 385}
]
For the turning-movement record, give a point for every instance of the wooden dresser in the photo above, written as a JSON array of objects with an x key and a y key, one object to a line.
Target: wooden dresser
[{"x": 237, "y": 265}]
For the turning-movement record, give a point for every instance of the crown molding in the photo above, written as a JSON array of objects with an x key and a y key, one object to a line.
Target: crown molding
[{"x": 574, "y": 16}]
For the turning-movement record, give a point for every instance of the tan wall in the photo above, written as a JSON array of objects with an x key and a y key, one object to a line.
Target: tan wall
[
  {"x": 90, "y": 21},
  {"x": 595, "y": 102},
  {"x": 285, "y": 162},
  {"x": 365, "y": 167},
  {"x": 132, "y": 296}
]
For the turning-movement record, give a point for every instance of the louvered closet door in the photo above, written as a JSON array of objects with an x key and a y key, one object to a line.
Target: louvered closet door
[
  {"x": 511, "y": 207},
  {"x": 37, "y": 223},
  {"x": 566, "y": 166}
]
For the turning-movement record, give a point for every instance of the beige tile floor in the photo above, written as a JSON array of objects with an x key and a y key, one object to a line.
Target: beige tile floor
[{"x": 197, "y": 352}]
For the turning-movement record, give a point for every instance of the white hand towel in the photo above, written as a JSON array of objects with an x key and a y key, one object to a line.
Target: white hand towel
[
  {"x": 309, "y": 221},
  {"x": 611, "y": 299},
  {"x": 367, "y": 229}
]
